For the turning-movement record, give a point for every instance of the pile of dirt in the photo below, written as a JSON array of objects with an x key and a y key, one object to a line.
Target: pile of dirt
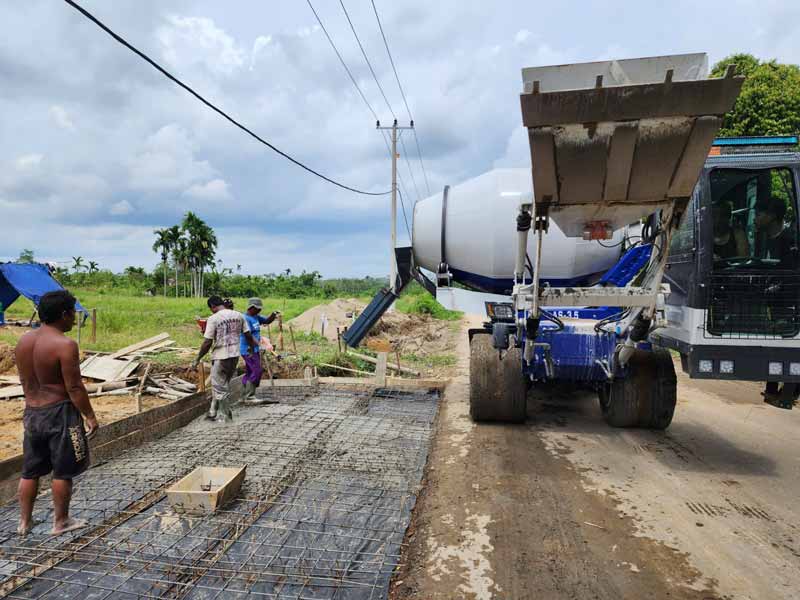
[
  {"x": 7, "y": 362},
  {"x": 409, "y": 334},
  {"x": 413, "y": 334},
  {"x": 340, "y": 313}
]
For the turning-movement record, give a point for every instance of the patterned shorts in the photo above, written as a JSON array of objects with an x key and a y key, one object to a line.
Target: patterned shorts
[{"x": 55, "y": 441}]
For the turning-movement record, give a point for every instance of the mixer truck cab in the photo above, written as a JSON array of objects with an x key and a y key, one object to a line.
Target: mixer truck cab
[{"x": 734, "y": 307}]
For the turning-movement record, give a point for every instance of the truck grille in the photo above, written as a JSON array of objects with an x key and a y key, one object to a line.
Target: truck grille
[{"x": 754, "y": 306}]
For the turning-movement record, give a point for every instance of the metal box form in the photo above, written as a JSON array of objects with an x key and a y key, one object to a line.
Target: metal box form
[{"x": 206, "y": 489}]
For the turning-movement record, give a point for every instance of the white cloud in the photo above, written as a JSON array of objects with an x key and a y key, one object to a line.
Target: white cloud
[
  {"x": 522, "y": 36},
  {"x": 121, "y": 208},
  {"x": 189, "y": 40},
  {"x": 216, "y": 189},
  {"x": 61, "y": 118},
  {"x": 28, "y": 162},
  {"x": 167, "y": 162}
]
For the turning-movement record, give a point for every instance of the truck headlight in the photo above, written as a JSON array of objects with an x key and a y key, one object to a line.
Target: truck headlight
[
  {"x": 726, "y": 366},
  {"x": 500, "y": 311},
  {"x": 706, "y": 366},
  {"x": 794, "y": 369},
  {"x": 776, "y": 368}
]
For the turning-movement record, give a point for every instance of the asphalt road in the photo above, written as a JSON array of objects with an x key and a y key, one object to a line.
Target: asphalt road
[{"x": 566, "y": 507}]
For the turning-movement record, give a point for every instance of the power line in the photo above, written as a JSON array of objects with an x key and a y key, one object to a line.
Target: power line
[
  {"x": 380, "y": 87},
  {"x": 403, "y": 94},
  {"x": 219, "y": 111},
  {"x": 369, "y": 64},
  {"x": 341, "y": 60},
  {"x": 401, "y": 185}
]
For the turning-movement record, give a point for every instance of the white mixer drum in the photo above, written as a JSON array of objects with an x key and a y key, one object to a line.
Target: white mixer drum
[{"x": 480, "y": 236}]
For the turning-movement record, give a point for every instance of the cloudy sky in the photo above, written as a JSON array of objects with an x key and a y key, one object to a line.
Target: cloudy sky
[{"x": 97, "y": 149}]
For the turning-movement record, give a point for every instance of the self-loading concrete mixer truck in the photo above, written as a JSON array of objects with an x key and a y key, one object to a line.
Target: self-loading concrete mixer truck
[{"x": 635, "y": 233}]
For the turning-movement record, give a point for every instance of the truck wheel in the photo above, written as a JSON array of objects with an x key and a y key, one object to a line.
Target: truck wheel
[
  {"x": 619, "y": 402},
  {"x": 646, "y": 397},
  {"x": 497, "y": 388},
  {"x": 660, "y": 393}
]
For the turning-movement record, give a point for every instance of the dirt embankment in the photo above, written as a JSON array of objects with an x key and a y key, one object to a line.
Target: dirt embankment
[
  {"x": 409, "y": 334},
  {"x": 7, "y": 362}
]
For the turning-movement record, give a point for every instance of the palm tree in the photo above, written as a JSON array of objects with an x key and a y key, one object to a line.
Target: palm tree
[
  {"x": 93, "y": 267},
  {"x": 174, "y": 239},
  {"x": 201, "y": 248},
  {"x": 77, "y": 263},
  {"x": 162, "y": 245}
]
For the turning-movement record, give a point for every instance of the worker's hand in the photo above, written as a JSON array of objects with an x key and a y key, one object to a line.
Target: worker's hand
[
  {"x": 91, "y": 426},
  {"x": 195, "y": 364}
]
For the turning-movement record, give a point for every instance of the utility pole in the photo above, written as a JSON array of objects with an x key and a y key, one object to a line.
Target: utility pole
[{"x": 392, "y": 258}]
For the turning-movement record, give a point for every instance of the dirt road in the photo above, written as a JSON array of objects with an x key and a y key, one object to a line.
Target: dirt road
[{"x": 566, "y": 507}]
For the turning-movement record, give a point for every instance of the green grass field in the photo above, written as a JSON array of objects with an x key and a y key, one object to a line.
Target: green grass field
[{"x": 125, "y": 320}]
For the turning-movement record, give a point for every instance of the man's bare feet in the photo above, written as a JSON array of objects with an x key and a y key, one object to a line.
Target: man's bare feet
[
  {"x": 24, "y": 529},
  {"x": 68, "y": 525}
]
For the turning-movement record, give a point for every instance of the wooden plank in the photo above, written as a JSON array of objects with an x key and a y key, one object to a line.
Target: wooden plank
[
  {"x": 14, "y": 391},
  {"x": 345, "y": 369},
  {"x": 140, "y": 345},
  {"x": 13, "y": 379},
  {"x": 105, "y": 368},
  {"x": 392, "y": 366}
]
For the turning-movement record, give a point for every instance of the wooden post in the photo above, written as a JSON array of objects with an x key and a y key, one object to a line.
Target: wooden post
[
  {"x": 80, "y": 325},
  {"x": 280, "y": 333},
  {"x": 339, "y": 340},
  {"x": 291, "y": 335},
  {"x": 142, "y": 383},
  {"x": 311, "y": 329},
  {"x": 380, "y": 369},
  {"x": 399, "y": 370},
  {"x": 93, "y": 337},
  {"x": 265, "y": 361}
]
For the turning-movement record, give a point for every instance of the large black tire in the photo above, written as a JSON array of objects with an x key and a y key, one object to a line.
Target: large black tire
[
  {"x": 646, "y": 397},
  {"x": 497, "y": 389},
  {"x": 658, "y": 399}
]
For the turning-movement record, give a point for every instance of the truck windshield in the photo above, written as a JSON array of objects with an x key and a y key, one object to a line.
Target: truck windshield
[{"x": 754, "y": 219}]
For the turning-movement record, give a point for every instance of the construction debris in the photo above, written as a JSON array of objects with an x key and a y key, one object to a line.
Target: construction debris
[
  {"x": 141, "y": 346},
  {"x": 105, "y": 368}
]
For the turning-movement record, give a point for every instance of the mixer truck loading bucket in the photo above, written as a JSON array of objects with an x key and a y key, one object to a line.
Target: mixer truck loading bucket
[{"x": 611, "y": 142}]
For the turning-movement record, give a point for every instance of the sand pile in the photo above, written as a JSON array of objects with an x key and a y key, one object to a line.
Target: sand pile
[
  {"x": 339, "y": 313},
  {"x": 7, "y": 362},
  {"x": 410, "y": 334}
]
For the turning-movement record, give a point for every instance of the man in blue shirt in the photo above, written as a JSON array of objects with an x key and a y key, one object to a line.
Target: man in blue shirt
[{"x": 252, "y": 357}]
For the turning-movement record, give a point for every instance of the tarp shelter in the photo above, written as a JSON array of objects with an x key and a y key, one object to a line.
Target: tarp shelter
[{"x": 31, "y": 280}]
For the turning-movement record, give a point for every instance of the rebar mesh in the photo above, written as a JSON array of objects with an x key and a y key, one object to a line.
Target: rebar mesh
[{"x": 332, "y": 479}]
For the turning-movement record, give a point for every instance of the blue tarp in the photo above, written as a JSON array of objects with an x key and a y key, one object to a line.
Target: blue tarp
[{"x": 31, "y": 280}]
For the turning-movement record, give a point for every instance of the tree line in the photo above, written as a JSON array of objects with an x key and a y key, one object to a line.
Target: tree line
[{"x": 192, "y": 245}]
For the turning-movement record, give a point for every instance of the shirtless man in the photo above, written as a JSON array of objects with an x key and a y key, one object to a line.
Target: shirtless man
[{"x": 55, "y": 398}]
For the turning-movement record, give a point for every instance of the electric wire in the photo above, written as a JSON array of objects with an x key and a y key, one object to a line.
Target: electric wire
[
  {"x": 369, "y": 64},
  {"x": 383, "y": 93},
  {"x": 401, "y": 183},
  {"x": 213, "y": 107},
  {"x": 341, "y": 60},
  {"x": 403, "y": 94}
]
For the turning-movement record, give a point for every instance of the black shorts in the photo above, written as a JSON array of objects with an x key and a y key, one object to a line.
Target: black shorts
[{"x": 55, "y": 441}]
